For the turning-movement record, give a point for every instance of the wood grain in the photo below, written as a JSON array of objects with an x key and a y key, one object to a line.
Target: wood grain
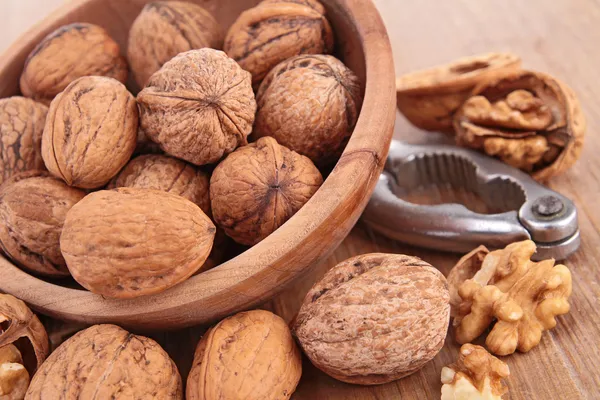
[{"x": 560, "y": 37}]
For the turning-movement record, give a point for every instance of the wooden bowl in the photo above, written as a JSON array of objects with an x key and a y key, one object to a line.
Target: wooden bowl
[{"x": 307, "y": 238}]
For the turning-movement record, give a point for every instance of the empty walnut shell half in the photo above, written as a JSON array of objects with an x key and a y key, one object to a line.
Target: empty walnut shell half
[
  {"x": 66, "y": 54},
  {"x": 165, "y": 29},
  {"x": 527, "y": 119},
  {"x": 374, "y": 318},
  {"x": 199, "y": 106},
  {"x": 90, "y": 132},
  {"x": 274, "y": 31},
  {"x": 107, "y": 362},
  {"x": 259, "y": 187},
  {"x": 429, "y": 98},
  {"x": 33, "y": 208},
  {"x": 21, "y": 127},
  {"x": 310, "y": 104},
  {"x": 250, "y": 356}
]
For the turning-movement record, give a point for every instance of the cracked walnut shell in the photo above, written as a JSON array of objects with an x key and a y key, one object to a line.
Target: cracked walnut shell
[
  {"x": 527, "y": 119},
  {"x": 257, "y": 188},
  {"x": 199, "y": 106},
  {"x": 250, "y": 356},
  {"x": 107, "y": 362},
  {"x": 163, "y": 30},
  {"x": 90, "y": 132},
  {"x": 66, "y": 54},
  {"x": 131, "y": 242},
  {"x": 374, "y": 318},
  {"x": 310, "y": 104},
  {"x": 274, "y": 31}
]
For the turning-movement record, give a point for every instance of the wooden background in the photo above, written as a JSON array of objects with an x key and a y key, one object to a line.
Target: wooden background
[{"x": 561, "y": 37}]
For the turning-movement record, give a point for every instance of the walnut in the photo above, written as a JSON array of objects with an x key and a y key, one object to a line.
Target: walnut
[
  {"x": 274, "y": 31},
  {"x": 68, "y": 53},
  {"x": 523, "y": 296},
  {"x": 477, "y": 375},
  {"x": 165, "y": 29},
  {"x": 429, "y": 98},
  {"x": 132, "y": 242},
  {"x": 107, "y": 362},
  {"x": 21, "y": 126},
  {"x": 310, "y": 104},
  {"x": 250, "y": 355},
  {"x": 199, "y": 106},
  {"x": 90, "y": 132},
  {"x": 374, "y": 318},
  {"x": 14, "y": 378},
  {"x": 467, "y": 268},
  {"x": 527, "y": 119},
  {"x": 259, "y": 187},
  {"x": 33, "y": 207}
]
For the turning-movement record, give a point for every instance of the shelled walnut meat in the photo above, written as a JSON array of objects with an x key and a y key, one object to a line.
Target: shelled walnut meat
[
  {"x": 250, "y": 356},
  {"x": 276, "y": 30},
  {"x": 107, "y": 362},
  {"x": 90, "y": 132},
  {"x": 199, "y": 106},
  {"x": 33, "y": 208},
  {"x": 14, "y": 378},
  {"x": 68, "y": 53},
  {"x": 163, "y": 30},
  {"x": 310, "y": 104},
  {"x": 259, "y": 187},
  {"x": 374, "y": 318}
]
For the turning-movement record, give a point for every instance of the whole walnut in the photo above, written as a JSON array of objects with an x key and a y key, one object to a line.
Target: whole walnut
[
  {"x": 68, "y": 53},
  {"x": 310, "y": 104},
  {"x": 107, "y": 362},
  {"x": 33, "y": 207},
  {"x": 165, "y": 29},
  {"x": 199, "y": 106},
  {"x": 21, "y": 127},
  {"x": 259, "y": 187},
  {"x": 274, "y": 31},
  {"x": 131, "y": 242},
  {"x": 374, "y": 318},
  {"x": 90, "y": 132},
  {"x": 250, "y": 356}
]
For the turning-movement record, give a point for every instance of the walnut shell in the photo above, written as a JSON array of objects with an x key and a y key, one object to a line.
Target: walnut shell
[
  {"x": 33, "y": 207},
  {"x": 21, "y": 127},
  {"x": 68, "y": 53},
  {"x": 163, "y": 30},
  {"x": 250, "y": 355},
  {"x": 259, "y": 187},
  {"x": 274, "y": 31},
  {"x": 199, "y": 106},
  {"x": 131, "y": 242},
  {"x": 107, "y": 362},
  {"x": 90, "y": 132},
  {"x": 310, "y": 104},
  {"x": 374, "y": 318}
]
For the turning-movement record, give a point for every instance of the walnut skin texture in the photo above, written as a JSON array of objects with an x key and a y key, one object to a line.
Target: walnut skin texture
[
  {"x": 33, "y": 207},
  {"x": 107, "y": 362},
  {"x": 524, "y": 298},
  {"x": 165, "y": 29},
  {"x": 527, "y": 119},
  {"x": 90, "y": 132},
  {"x": 199, "y": 106},
  {"x": 274, "y": 31},
  {"x": 374, "y": 318},
  {"x": 21, "y": 127},
  {"x": 250, "y": 355},
  {"x": 66, "y": 54},
  {"x": 14, "y": 378},
  {"x": 259, "y": 187},
  {"x": 310, "y": 104},
  {"x": 131, "y": 242}
]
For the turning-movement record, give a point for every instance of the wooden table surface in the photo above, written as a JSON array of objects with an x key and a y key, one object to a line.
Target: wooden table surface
[{"x": 561, "y": 37}]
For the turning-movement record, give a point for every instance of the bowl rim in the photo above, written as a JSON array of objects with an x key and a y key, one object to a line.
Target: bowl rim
[{"x": 268, "y": 267}]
